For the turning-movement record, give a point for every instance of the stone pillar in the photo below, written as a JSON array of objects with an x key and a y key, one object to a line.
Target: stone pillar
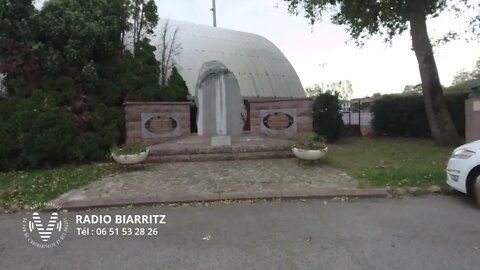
[
  {"x": 472, "y": 119},
  {"x": 219, "y": 102},
  {"x": 156, "y": 122}
]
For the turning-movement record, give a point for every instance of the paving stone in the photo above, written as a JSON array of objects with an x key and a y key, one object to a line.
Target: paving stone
[{"x": 213, "y": 180}]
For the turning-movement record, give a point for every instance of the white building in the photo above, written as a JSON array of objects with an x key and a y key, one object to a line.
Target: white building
[{"x": 261, "y": 69}]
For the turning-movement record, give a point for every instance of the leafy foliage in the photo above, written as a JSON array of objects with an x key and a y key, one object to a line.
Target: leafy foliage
[
  {"x": 464, "y": 78},
  {"x": 367, "y": 18},
  {"x": 144, "y": 15},
  {"x": 135, "y": 148},
  {"x": 413, "y": 90},
  {"x": 142, "y": 74},
  {"x": 309, "y": 141},
  {"x": 142, "y": 77},
  {"x": 17, "y": 56},
  {"x": 400, "y": 115},
  {"x": 343, "y": 89},
  {"x": 387, "y": 19},
  {"x": 178, "y": 85},
  {"x": 67, "y": 76},
  {"x": 327, "y": 116}
]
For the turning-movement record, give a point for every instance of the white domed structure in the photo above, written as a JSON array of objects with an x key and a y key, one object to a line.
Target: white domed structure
[
  {"x": 239, "y": 83},
  {"x": 261, "y": 69}
]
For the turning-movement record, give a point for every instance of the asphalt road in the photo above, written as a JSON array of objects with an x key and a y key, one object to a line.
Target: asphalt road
[{"x": 436, "y": 232}]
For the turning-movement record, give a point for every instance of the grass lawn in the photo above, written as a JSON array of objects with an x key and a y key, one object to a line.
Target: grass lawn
[
  {"x": 25, "y": 188},
  {"x": 394, "y": 162}
]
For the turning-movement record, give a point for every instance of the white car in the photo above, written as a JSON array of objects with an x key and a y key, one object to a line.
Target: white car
[{"x": 463, "y": 170}]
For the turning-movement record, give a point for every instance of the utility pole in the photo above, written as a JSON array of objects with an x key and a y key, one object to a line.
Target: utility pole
[{"x": 214, "y": 11}]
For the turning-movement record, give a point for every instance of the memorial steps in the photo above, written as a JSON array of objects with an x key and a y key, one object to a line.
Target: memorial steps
[{"x": 198, "y": 148}]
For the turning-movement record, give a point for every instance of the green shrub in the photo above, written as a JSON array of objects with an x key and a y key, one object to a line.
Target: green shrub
[
  {"x": 9, "y": 147},
  {"x": 178, "y": 85},
  {"x": 456, "y": 107},
  {"x": 45, "y": 132},
  {"x": 67, "y": 75},
  {"x": 327, "y": 119},
  {"x": 398, "y": 115}
]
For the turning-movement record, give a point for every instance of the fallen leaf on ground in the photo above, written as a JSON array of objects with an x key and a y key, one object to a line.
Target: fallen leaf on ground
[
  {"x": 207, "y": 238},
  {"x": 477, "y": 248}
]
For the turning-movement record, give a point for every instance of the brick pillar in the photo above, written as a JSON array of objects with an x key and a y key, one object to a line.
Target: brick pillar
[{"x": 472, "y": 119}]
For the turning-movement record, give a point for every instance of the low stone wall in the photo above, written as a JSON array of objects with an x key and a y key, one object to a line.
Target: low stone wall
[
  {"x": 156, "y": 122},
  {"x": 281, "y": 118}
]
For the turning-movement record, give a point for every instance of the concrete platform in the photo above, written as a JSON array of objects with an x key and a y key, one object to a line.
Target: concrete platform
[
  {"x": 198, "y": 148},
  {"x": 213, "y": 181}
]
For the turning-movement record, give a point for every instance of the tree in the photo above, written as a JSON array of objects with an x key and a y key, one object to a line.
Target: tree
[
  {"x": 63, "y": 78},
  {"x": 144, "y": 16},
  {"x": 17, "y": 59},
  {"x": 412, "y": 89},
  {"x": 343, "y": 89},
  {"x": 178, "y": 85},
  {"x": 169, "y": 49},
  {"x": 464, "y": 80},
  {"x": 474, "y": 21},
  {"x": 327, "y": 116},
  {"x": 142, "y": 73},
  {"x": 388, "y": 19},
  {"x": 464, "y": 76},
  {"x": 313, "y": 90}
]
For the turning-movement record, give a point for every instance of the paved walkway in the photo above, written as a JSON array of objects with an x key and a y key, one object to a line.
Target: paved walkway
[{"x": 206, "y": 181}]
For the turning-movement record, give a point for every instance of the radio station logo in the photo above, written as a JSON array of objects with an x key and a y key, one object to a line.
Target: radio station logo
[{"x": 47, "y": 229}]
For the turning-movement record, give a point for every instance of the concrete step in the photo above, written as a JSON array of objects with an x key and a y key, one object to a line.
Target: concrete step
[
  {"x": 218, "y": 156},
  {"x": 200, "y": 150},
  {"x": 195, "y": 148}
]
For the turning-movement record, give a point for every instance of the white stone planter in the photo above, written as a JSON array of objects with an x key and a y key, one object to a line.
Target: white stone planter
[
  {"x": 309, "y": 154},
  {"x": 131, "y": 159}
]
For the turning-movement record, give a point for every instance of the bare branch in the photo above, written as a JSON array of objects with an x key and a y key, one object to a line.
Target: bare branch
[{"x": 169, "y": 49}]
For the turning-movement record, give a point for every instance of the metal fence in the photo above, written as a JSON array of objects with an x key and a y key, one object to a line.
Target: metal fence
[{"x": 356, "y": 118}]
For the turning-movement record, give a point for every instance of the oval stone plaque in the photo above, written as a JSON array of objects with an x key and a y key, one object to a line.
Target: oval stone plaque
[
  {"x": 161, "y": 124},
  {"x": 278, "y": 121}
]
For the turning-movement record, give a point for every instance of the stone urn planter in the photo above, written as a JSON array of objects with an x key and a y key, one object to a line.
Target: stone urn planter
[
  {"x": 130, "y": 155},
  {"x": 309, "y": 146},
  {"x": 309, "y": 154}
]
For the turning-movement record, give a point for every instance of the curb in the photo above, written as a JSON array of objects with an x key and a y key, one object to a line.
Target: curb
[{"x": 220, "y": 196}]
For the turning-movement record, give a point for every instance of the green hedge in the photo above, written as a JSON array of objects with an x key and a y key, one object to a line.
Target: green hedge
[
  {"x": 67, "y": 74},
  {"x": 396, "y": 115},
  {"x": 327, "y": 118}
]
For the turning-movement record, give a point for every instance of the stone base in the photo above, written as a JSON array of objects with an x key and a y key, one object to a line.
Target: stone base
[
  {"x": 199, "y": 148},
  {"x": 221, "y": 141}
]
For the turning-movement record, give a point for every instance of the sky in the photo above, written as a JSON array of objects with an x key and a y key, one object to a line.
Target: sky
[{"x": 321, "y": 54}]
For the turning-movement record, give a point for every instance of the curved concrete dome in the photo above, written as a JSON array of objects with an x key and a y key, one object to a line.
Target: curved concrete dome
[{"x": 259, "y": 66}]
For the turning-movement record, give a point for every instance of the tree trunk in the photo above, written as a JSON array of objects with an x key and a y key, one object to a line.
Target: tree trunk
[{"x": 441, "y": 125}]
